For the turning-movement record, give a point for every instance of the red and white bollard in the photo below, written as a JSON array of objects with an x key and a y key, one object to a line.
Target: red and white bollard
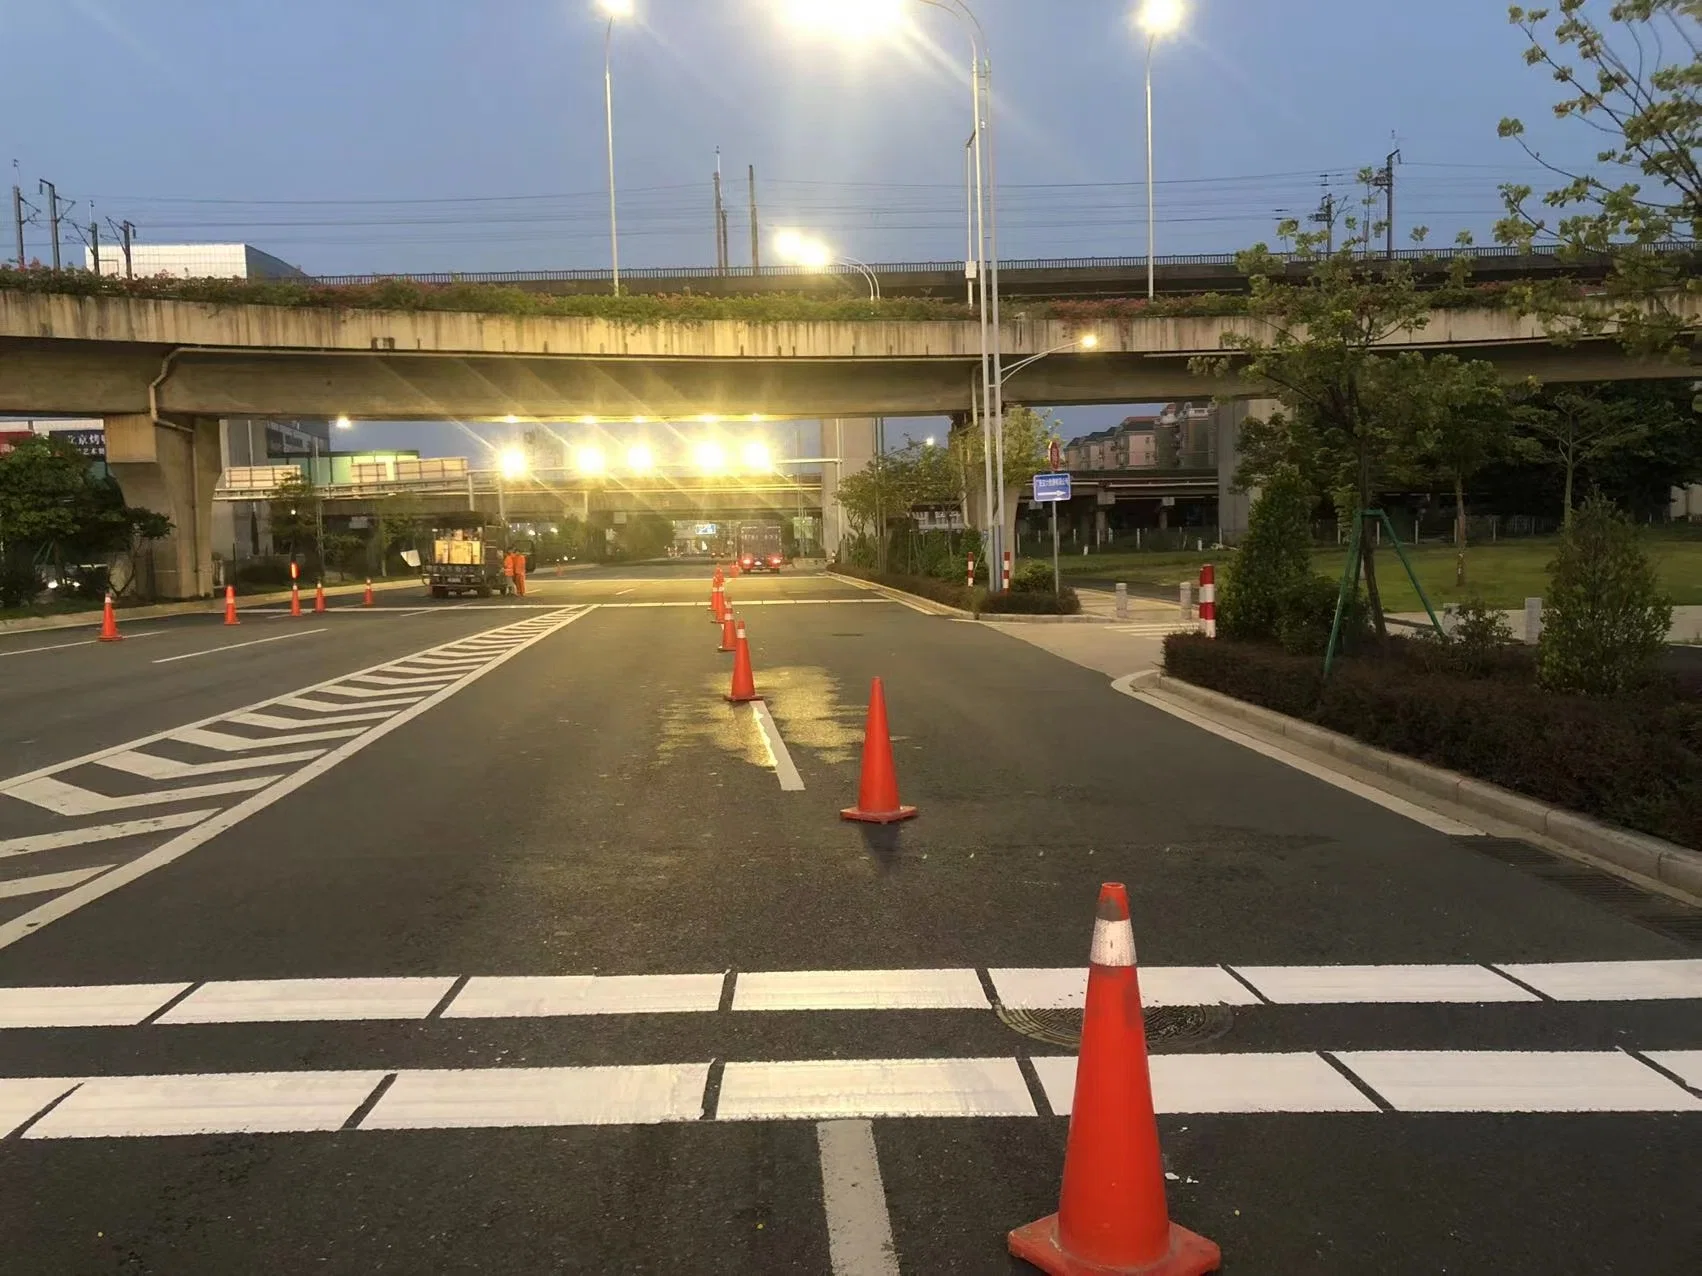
[
  {"x": 1208, "y": 600},
  {"x": 1006, "y": 577},
  {"x": 971, "y": 581}
]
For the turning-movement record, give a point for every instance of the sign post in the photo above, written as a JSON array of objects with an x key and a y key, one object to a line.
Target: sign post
[{"x": 1053, "y": 488}]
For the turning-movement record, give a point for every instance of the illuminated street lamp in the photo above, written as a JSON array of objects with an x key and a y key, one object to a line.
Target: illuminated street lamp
[
  {"x": 804, "y": 250},
  {"x": 511, "y": 464},
  {"x": 710, "y": 458},
  {"x": 612, "y": 10},
  {"x": 343, "y": 423},
  {"x": 1087, "y": 341},
  {"x": 756, "y": 457},
  {"x": 1157, "y": 18},
  {"x": 640, "y": 460},
  {"x": 588, "y": 461}
]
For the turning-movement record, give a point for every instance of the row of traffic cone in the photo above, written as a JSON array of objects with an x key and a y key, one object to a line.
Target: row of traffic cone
[
  {"x": 109, "y": 618},
  {"x": 877, "y": 789}
]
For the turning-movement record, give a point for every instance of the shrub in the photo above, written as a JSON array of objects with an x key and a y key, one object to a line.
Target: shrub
[
  {"x": 1033, "y": 577},
  {"x": 1031, "y": 603},
  {"x": 1474, "y": 642},
  {"x": 1635, "y": 761},
  {"x": 20, "y": 584},
  {"x": 1605, "y": 620},
  {"x": 939, "y": 591},
  {"x": 1275, "y": 558},
  {"x": 264, "y": 573},
  {"x": 1306, "y": 612}
]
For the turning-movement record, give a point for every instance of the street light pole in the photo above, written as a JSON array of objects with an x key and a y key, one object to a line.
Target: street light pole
[
  {"x": 1151, "y": 231},
  {"x": 609, "y": 119},
  {"x": 868, "y": 273}
]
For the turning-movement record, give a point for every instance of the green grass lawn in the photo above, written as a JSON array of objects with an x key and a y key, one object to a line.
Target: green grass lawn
[{"x": 1503, "y": 575}]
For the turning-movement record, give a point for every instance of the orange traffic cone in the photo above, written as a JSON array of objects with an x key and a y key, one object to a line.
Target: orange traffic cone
[
  {"x": 744, "y": 682},
  {"x": 729, "y": 635},
  {"x": 1112, "y": 1216},
  {"x": 319, "y": 597},
  {"x": 877, "y": 793},
  {"x": 295, "y": 599},
  {"x": 719, "y": 578},
  {"x": 366, "y": 598},
  {"x": 718, "y": 609},
  {"x": 230, "y": 605},
  {"x": 109, "y": 623}
]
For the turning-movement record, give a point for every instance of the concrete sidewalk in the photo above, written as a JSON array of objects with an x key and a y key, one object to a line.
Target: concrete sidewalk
[{"x": 1686, "y": 623}]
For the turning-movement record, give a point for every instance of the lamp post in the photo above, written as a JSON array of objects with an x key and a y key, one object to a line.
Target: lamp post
[
  {"x": 1089, "y": 341},
  {"x": 612, "y": 9},
  {"x": 1156, "y": 18},
  {"x": 804, "y": 250}
]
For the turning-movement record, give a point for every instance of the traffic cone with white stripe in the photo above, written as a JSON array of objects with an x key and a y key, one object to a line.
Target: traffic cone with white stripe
[
  {"x": 877, "y": 789},
  {"x": 230, "y": 605},
  {"x": 295, "y": 599},
  {"x": 319, "y": 597},
  {"x": 1112, "y": 1217},
  {"x": 716, "y": 602},
  {"x": 719, "y": 578},
  {"x": 109, "y": 622},
  {"x": 729, "y": 634},
  {"x": 744, "y": 681},
  {"x": 366, "y": 598}
]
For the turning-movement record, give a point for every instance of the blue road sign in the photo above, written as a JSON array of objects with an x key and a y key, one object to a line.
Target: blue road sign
[{"x": 1051, "y": 487}]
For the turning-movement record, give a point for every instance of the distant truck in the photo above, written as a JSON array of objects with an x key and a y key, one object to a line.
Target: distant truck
[
  {"x": 467, "y": 558},
  {"x": 760, "y": 547}
]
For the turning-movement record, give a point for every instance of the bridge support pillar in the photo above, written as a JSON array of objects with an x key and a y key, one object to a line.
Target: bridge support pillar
[
  {"x": 172, "y": 469},
  {"x": 852, "y": 440}
]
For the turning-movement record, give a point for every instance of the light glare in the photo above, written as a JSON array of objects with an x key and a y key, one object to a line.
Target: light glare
[
  {"x": 756, "y": 457},
  {"x": 343, "y": 423},
  {"x": 852, "y": 20},
  {"x": 799, "y": 249},
  {"x": 615, "y": 8},
  {"x": 1160, "y": 17},
  {"x": 512, "y": 462},
  {"x": 711, "y": 458},
  {"x": 588, "y": 460},
  {"x": 1090, "y": 342},
  {"x": 640, "y": 460}
]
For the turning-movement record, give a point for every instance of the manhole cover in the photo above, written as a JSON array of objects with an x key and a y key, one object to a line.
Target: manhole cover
[{"x": 1167, "y": 1027}]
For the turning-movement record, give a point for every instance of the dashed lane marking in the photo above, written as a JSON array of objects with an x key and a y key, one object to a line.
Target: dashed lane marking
[
  {"x": 83, "y": 642},
  {"x": 262, "y": 737},
  {"x": 234, "y": 646},
  {"x": 779, "y": 757},
  {"x": 859, "y": 1228}
]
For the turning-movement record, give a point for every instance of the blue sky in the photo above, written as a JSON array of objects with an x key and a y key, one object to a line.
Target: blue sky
[{"x": 396, "y": 135}]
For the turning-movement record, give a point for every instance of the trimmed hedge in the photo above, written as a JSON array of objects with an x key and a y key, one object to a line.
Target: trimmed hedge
[
  {"x": 976, "y": 600},
  {"x": 1633, "y": 761}
]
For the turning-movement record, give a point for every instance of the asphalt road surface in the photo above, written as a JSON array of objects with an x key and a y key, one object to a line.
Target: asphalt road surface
[{"x": 487, "y": 937}]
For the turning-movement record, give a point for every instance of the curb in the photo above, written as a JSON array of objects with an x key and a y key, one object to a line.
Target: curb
[
  {"x": 958, "y": 613},
  {"x": 194, "y": 607},
  {"x": 1652, "y": 857}
]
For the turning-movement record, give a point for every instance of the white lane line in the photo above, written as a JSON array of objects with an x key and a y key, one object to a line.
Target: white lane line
[
  {"x": 151, "y": 767},
  {"x": 46, "y": 883},
  {"x": 384, "y": 680},
  {"x": 21, "y": 1099},
  {"x": 68, "y": 799},
  {"x": 202, "y": 1103},
  {"x": 63, "y": 905},
  {"x": 85, "y": 642},
  {"x": 308, "y": 1000},
  {"x": 523, "y": 997},
  {"x": 372, "y": 693},
  {"x": 484, "y": 1098},
  {"x": 859, "y": 1229},
  {"x": 1362, "y": 985},
  {"x": 1388, "y": 801},
  {"x": 1516, "y": 1081},
  {"x": 1612, "y": 980},
  {"x": 101, "y": 833},
  {"x": 87, "y": 1006},
  {"x": 779, "y": 757},
  {"x": 1682, "y": 1063},
  {"x": 1223, "y": 1083},
  {"x": 225, "y": 742},
  {"x": 276, "y": 722},
  {"x": 860, "y": 990},
  {"x": 255, "y": 642},
  {"x": 1066, "y": 988},
  {"x": 825, "y": 1089},
  {"x": 326, "y": 706},
  {"x": 622, "y": 593}
]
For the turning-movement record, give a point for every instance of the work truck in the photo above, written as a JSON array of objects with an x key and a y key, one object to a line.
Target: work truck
[{"x": 467, "y": 557}]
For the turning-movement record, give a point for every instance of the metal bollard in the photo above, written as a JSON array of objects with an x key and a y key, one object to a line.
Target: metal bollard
[
  {"x": 1187, "y": 600},
  {"x": 1533, "y": 619},
  {"x": 1122, "y": 601}
]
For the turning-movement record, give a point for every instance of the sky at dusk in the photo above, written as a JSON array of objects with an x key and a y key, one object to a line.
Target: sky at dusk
[{"x": 414, "y": 135}]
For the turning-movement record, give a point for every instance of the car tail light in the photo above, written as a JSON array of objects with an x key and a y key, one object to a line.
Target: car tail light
[
  {"x": 747, "y": 560},
  {"x": 774, "y": 560}
]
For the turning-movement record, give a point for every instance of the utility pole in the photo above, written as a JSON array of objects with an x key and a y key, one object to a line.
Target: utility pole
[
  {"x": 124, "y": 231},
  {"x": 94, "y": 238},
  {"x": 18, "y": 220},
  {"x": 1385, "y": 182},
  {"x": 1326, "y": 217},
  {"x": 720, "y": 220},
  {"x": 47, "y": 188},
  {"x": 756, "y": 232}
]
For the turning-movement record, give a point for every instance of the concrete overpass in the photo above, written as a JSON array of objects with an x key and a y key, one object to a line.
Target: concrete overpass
[
  {"x": 162, "y": 373},
  {"x": 1048, "y": 279}
]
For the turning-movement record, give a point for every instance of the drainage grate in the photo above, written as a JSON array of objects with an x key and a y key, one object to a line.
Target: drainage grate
[
  {"x": 1167, "y": 1027},
  {"x": 1655, "y": 912}
]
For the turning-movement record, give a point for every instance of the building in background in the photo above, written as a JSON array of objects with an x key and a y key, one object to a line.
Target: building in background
[{"x": 192, "y": 261}]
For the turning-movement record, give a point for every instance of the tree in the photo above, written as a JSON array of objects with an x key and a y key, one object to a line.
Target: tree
[
  {"x": 1605, "y": 620},
  {"x": 399, "y": 521},
  {"x": 1463, "y": 425},
  {"x": 1634, "y": 79},
  {"x": 1274, "y": 558},
  {"x": 1028, "y": 435},
  {"x": 895, "y": 483},
  {"x": 52, "y": 504},
  {"x": 1573, "y": 428},
  {"x": 295, "y": 516},
  {"x": 1348, "y": 409}
]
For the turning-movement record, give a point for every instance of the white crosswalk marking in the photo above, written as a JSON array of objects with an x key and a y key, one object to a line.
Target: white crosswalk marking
[
  {"x": 68, "y": 799},
  {"x": 1516, "y": 1081},
  {"x": 860, "y": 990},
  {"x": 1066, "y": 988},
  {"x": 45, "y": 883},
  {"x": 231, "y": 1103},
  {"x": 314, "y": 705},
  {"x": 1321, "y": 985},
  {"x": 512, "y": 1097},
  {"x": 522, "y": 997},
  {"x": 1203, "y": 1083},
  {"x": 224, "y": 742},
  {"x": 153, "y": 767},
  {"x": 304, "y": 1000},
  {"x": 367, "y": 693},
  {"x": 1613, "y": 980},
  {"x": 88, "y": 1006},
  {"x": 823, "y": 1089},
  {"x": 22, "y": 1099},
  {"x": 274, "y": 722}
]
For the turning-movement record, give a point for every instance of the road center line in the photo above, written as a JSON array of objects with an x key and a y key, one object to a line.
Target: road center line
[
  {"x": 255, "y": 642},
  {"x": 778, "y": 755},
  {"x": 85, "y": 642},
  {"x": 859, "y": 1230}
]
